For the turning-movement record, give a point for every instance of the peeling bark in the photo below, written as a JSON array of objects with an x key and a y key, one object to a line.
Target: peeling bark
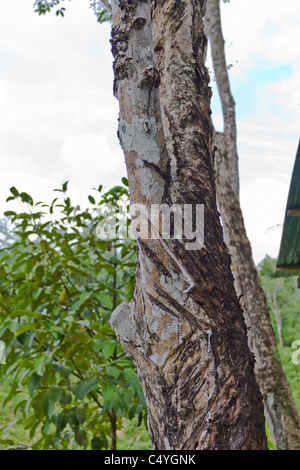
[
  {"x": 281, "y": 412},
  {"x": 184, "y": 328}
]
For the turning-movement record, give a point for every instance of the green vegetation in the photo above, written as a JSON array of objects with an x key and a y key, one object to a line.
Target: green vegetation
[
  {"x": 67, "y": 383},
  {"x": 44, "y": 6},
  {"x": 67, "y": 378},
  {"x": 284, "y": 306}
]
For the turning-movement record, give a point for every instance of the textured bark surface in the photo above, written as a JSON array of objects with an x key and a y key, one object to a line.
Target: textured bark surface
[
  {"x": 184, "y": 328},
  {"x": 281, "y": 412},
  {"x": 213, "y": 29}
]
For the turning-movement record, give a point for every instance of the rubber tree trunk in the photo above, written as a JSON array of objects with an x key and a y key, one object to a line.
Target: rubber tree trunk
[
  {"x": 281, "y": 412},
  {"x": 184, "y": 328}
]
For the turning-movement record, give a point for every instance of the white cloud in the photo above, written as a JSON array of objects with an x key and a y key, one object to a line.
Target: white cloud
[
  {"x": 91, "y": 161},
  {"x": 57, "y": 91},
  {"x": 264, "y": 208},
  {"x": 267, "y": 158},
  {"x": 246, "y": 27},
  {"x": 2, "y": 92},
  {"x": 286, "y": 95}
]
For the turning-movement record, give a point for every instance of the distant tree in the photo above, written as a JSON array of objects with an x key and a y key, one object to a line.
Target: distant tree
[{"x": 281, "y": 412}]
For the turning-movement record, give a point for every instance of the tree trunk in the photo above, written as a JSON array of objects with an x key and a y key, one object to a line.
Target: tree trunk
[
  {"x": 281, "y": 411},
  {"x": 184, "y": 328},
  {"x": 276, "y": 309}
]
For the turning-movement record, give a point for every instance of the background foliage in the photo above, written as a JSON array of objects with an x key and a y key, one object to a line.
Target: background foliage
[
  {"x": 43, "y": 6},
  {"x": 283, "y": 298},
  {"x": 66, "y": 375}
]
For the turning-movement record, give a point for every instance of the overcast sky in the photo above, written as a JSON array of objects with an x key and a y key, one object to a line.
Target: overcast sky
[{"x": 58, "y": 116}]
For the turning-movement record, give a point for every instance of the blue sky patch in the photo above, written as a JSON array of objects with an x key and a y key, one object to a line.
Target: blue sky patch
[{"x": 247, "y": 89}]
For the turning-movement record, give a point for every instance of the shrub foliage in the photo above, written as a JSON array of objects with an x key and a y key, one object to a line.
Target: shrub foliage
[{"x": 59, "y": 286}]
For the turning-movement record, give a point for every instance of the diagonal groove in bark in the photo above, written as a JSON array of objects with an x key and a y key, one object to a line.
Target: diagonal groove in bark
[
  {"x": 281, "y": 411},
  {"x": 187, "y": 347}
]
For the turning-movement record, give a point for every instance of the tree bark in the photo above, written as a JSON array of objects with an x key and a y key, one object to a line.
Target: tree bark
[
  {"x": 281, "y": 412},
  {"x": 276, "y": 309},
  {"x": 184, "y": 328}
]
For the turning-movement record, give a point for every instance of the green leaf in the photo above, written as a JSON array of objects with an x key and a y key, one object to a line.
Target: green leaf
[
  {"x": 65, "y": 186},
  {"x": 22, "y": 313},
  {"x": 56, "y": 394},
  {"x": 39, "y": 364},
  {"x": 24, "y": 215},
  {"x": 39, "y": 272},
  {"x": 48, "y": 405},
  {"x": 98, "y": 443},
  {"x": 33, "y": 429},
  {"x": 108, "y": 349},
  {"x": 80, "y": 437},
  {"x": 63, "y": 297},
  {"x": 108, "y": 390},
  {"x": 27, "y": 423},
  {"x": 113, "y": 371},
  {"x": 85, "y": 386},
  {"x": 33, "y": 383},
  {"x": 92, "y": 200},
  {"x": 135, "y": 384},
  {"x": 26, "y": 198},
  {"x": 66, "y": 399},
  {"x": 10, "y": 213},
  {"x": 106, "y": 300},
  {"x": 72, "y": 420},
  {"x": 35, "y": 294},
  {"x": 80, "y": 414},
  {"x": 61, "y": 423},
  {"x": 135, "y": 409},
  {"x": 44, "y": 246},
  {"x": 271, "y": 445},
  {"x": 23, "y": 329},
  {"x": 14, "y": 191},
  {"x": 132, "y": 378},
  {"x": 64, "y": 371}
]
